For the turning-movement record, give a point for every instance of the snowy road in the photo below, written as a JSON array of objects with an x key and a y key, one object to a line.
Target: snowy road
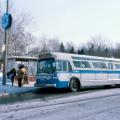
[{"x": 98, "y": 105}]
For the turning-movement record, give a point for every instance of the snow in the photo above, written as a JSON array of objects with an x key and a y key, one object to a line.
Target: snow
[
  {"x": 99, "y": 105},
  {"x": 1, "y": 74},
  {"x": 9, "y": 89}
]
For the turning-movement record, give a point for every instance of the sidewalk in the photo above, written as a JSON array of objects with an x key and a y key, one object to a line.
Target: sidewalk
[{"x": 9, "y": 89}]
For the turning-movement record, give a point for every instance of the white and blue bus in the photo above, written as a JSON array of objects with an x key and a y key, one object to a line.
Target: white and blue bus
[{"x": 63, "y": 70}]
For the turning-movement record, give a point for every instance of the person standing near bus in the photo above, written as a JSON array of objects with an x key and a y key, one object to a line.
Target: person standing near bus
[
  {"x": 20, "y": 75},
  {"x": 26, "y": 75},
  {"x": 11, "y": 74}
]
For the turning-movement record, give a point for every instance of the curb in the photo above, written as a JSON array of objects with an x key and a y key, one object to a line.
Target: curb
[
  {"x": 8, "y": 89},
  {"x": 3, "y": 94}
]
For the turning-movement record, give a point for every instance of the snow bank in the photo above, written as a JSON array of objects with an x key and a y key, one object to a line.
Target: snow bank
[
  {"x": 9, "y": 89},
  {"x": 1, "y": 74}
]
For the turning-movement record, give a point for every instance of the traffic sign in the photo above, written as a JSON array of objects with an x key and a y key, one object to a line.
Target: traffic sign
[{"x": 6, "y": 21}]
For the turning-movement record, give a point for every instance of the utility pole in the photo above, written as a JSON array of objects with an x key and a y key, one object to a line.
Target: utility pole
[{"x": 6, "y": 24}]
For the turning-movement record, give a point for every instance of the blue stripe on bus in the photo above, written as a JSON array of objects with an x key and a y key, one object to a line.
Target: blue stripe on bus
[
  {"x": 97, "y": 71},
  {"x": 93, "y": 72},
  {"x": 64, "y": 84}
]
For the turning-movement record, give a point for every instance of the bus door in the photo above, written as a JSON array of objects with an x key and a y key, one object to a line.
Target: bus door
[{"x": 64, "y": 71}]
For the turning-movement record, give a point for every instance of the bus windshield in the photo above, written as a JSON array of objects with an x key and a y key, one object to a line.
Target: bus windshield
[{"x": 46, "y": 66}]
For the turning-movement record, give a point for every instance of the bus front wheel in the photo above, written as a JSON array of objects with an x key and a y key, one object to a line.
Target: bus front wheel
[{"x": 74, "y": 85}]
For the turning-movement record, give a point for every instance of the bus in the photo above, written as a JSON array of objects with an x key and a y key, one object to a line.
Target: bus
[{"x": 73, "y": 71}]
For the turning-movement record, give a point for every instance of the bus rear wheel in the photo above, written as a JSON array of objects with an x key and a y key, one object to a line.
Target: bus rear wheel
[{"x": 74, "y": 85}]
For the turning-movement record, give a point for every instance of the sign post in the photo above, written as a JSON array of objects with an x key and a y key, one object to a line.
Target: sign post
[{"x": 6, "y": 24}]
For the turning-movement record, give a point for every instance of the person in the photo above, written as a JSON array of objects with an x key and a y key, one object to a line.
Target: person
[
  {"x": 26, "y": 75},
  {"x": 20, "y": 73},
  {"x": 11, "y": 75}
]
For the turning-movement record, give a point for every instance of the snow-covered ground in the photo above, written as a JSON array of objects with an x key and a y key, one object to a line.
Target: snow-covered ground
[
  {"x": 99, "y": 105},
  {"x": 9, "y": 89},
  {"x": 1, "y": 74}
]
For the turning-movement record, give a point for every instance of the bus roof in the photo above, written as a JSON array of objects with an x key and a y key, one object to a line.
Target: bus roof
[{"x": 66, "y": 56}]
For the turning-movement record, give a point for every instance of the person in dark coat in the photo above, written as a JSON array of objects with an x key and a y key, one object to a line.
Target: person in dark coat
[
  {"x": 20, "y": 74},
  {"x": 11, "y": 75}
]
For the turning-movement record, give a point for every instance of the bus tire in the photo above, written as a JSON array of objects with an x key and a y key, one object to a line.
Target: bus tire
[{"x": 74, "y": 85}]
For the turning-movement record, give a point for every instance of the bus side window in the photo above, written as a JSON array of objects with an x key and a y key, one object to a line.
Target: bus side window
[
  {"x": 59, "y": 65},
  {"x": 103, "y": 65},
  {"x": 85, "y": 64},
  {"x": 100, "y": 65},
  {"x": 117, "y": 66},
  {"x": 64, "y": 65},
  {"x": 69, "y": 67},
  {"x": 110, "y": 66}
]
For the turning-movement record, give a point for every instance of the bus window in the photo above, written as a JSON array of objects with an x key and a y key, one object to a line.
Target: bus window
[
  {"x": 96, "y": 65},
  {"x": 99, "y": 65},
  {"x": 81, "y": 64},
  {"x": 86, "y": 64},
  {"x": 117, "y": 66},
  {"x": 69, "y": 67},
  {"x": 76, "y": 63},
  {"x": 46, "y": 66},
  {"x": 61, "y": 65},
  {"x": 103, "y": 65},
  {"x": 58, "y": 65},
  {"x": 64, "y": 65},
  {"x": 110, "y": 66}
]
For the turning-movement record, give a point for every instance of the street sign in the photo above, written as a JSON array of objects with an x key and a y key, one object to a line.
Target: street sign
[{"x": 6, "y": 21}]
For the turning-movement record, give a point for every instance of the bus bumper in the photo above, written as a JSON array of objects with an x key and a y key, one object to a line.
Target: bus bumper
[{"x": 45, "y": 85}]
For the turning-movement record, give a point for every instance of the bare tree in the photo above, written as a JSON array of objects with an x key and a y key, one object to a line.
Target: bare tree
[
  {"x": 18, "y": 37},
  {"x": 53, "y": 44},
  {"x": 44, "y": 44},
  {"x": 1, "y": 30},
  {"x": 99, "y": 46}
]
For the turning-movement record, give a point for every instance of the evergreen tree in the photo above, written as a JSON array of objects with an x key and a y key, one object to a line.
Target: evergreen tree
[
  {"x": 62, "y": 47},
  {"x": 81, "y": 51},
  {"x": 72, "y": 50}
]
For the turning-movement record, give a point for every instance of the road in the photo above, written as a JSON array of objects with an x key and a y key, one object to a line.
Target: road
[
  {"x": 44, "y": 94},
  {"x": 96, "y": 105}
]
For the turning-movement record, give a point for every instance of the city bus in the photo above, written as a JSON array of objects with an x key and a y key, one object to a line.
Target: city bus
[{"x": 73, "y": 71}]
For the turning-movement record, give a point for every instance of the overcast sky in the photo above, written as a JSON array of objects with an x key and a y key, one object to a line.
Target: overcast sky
[{"x": 74, "y": 20}]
